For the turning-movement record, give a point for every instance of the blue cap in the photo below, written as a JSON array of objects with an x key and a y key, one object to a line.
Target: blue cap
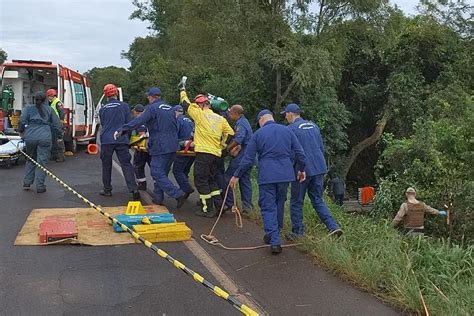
[
  {"x": 291, "y": 108},
  {"x": 178, "y": 108},
  {"x": 139, "y": 108},
  {"x": 153, "y": 91},
  {"x": 262, "y": 113}
]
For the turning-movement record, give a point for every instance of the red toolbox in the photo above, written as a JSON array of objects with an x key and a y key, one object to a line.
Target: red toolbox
[{"x": 57, "y": 229}]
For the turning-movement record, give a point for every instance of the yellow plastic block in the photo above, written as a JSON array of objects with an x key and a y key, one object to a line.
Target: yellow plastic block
[
  {"x": 164, "y": 232},
  {"x": 134, "y": 208}
]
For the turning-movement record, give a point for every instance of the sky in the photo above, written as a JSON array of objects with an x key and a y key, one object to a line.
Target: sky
[{"x": 79, "y": 34}]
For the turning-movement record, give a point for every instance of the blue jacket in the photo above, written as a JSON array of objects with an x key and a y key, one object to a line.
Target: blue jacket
[
  {"x": 243, "y": 134},
  {"x": 39, "y": 127},
  {"x": 309, "y": 136},
  {"x": 275, "y": 146},
  {"x": 160, "y": 118},
  {"x": 185, "y": 128},
  {"x": 112, "y": 116}
]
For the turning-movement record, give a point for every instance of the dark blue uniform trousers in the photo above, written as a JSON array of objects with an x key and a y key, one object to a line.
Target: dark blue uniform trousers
[
  {"x": 245, "y": 186},
  {"x": 124, "y": 157},
  {"x": 272, "y": 197},
  {"x": 314, "y": 186},
  {"x": 181, "y": 167},
  {"x": 140, "y": 160},
  {"x": 160, "y": 168}
]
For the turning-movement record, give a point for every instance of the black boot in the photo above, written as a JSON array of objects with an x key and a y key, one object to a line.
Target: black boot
[
  {"x": 180, "y": 200},
  {"x": 142, "y": 186},
  {"x": 135, "y": 196},
  {"x": 105, "y": 193},
  {"x": 207, "y": 210},
  {"x": 276, "y": 249}
]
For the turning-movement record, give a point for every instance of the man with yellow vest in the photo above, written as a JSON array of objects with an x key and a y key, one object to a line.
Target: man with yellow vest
[
  {"x": 57, "y": 150},
  {"x": 412, "y": 214},
  {"x": 211, "y": 131}
]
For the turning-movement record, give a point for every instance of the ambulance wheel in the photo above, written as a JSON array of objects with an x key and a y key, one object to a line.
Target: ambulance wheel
[{"x": 17, "y": 161}]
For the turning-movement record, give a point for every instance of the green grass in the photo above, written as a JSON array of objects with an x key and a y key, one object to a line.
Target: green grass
[{"x": 393, "y": 267}]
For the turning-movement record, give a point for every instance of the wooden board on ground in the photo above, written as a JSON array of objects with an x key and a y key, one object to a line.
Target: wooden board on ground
[{"x": 93, "y": 228}]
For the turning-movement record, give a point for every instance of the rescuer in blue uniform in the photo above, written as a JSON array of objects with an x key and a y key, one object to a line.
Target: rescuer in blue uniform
[
  {"x": 275, "y": 145},
  {"x": 309, "y": 136},
  {"x": 160, "y": 119},
  {"x": 141, "y": 157},
  {"x": 182, "y": 164},
  {"x": 236, "y": 149},
  {"x": 112, "y": 115}
]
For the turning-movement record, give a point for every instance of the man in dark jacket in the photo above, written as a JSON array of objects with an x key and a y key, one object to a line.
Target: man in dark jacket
[
  {"x": 275, "y": 145},
  {"x": 160, "y": 119},
  {"x": 113, "y": 115},
  {"x": 309, "y": 136}
]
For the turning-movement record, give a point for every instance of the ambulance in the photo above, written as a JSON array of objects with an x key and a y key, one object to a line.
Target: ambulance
[{"x": 25, "y": 77}]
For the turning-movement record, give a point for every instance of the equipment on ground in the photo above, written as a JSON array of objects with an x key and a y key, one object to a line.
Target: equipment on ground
[
  {"x": 92, "y": 149},
  {"x": 366, "y": 195},
  {"x": 55, "y": 229},
  {"x": 164, "y": 232},
  {"x": 147, "y": 219}
]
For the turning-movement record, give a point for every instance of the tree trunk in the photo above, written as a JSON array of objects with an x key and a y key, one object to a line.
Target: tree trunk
[
  {"x": 278, "y": 90},
  {"x": 372, "y": 139},
  {"x": 282, "y": 97}
]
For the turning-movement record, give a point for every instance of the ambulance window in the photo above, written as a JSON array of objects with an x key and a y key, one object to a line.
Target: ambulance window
[{"x": 79, "y": 91}]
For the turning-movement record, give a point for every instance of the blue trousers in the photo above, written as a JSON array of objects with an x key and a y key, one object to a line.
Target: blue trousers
[
  {"x": 124, "y": 157},
  {"x": 39, "y": 150},
  {"x": 314, "y": 186},
  {"x": 140, "y": 160},
  {"x": 245, "y": 186},
  {"x": 160, "y": 168},
  {"x": 271, "y": 200},
  {"x": 181, "y": 167}
]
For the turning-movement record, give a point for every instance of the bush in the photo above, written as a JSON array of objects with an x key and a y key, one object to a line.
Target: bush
[{"x": 438, "y": 161}]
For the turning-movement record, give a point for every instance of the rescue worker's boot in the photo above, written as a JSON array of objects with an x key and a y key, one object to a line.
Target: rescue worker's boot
[
  {"x": 135, "y": 195},
  {"x": 276, "y": 249},
  {"x": 207, "y": 209},
  {"x": 141, "y": 185},
  {"x": 105, "y": 193}
]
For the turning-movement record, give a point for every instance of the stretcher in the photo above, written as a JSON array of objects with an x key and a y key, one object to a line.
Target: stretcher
[{"x": 10, "y": 150}]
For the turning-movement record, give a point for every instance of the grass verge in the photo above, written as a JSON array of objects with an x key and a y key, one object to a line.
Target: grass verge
[{"x": 401, "y": 270}]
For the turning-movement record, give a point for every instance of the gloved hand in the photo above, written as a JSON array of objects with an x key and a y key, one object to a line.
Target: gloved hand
[
  {"x": 117, "y": 134},
  {"x": 442, "y": 212},
  {"x": 182, "y": 83}
]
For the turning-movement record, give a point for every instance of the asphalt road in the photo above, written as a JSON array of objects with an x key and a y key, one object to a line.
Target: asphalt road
[{"x": 130, "y": 279}]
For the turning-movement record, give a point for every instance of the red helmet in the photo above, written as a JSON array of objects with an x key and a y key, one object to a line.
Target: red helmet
[
  {"x": 51, "y": 93},
  {"x": 201, "y": 98},
  {"x": 110, "y": 90}
]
